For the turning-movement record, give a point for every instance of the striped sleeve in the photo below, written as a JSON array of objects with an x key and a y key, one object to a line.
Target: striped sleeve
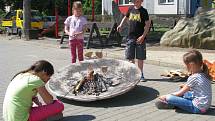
[{"x": 191, "y": 81}]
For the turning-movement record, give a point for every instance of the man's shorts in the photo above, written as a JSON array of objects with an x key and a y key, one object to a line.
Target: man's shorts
[{"x": 134, "y": 50}]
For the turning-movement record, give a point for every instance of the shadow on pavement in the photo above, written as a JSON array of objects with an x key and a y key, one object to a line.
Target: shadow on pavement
[
  {"x": 140, "y": 94},
  {"x": 210, "y": 112},
  {"x": 169, "y": 80},
  {"x": 79, "y": 118}
]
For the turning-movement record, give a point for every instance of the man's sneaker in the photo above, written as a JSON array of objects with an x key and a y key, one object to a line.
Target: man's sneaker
[{"x": 142, "y": 79}]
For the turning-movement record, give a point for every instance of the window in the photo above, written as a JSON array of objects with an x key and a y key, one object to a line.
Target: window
[
  {"x": 125, "y": 2},
  {"x": 162, "y": 1},
  {"x": 165, "y": 2},
  {"x": 170, "y": 1}
]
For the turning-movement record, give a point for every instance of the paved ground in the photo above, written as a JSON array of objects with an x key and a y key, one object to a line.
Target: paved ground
[{"x": 137, "y": 104}]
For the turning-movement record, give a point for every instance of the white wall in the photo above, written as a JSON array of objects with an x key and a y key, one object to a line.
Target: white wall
[
  {"x": 165, "y": 9},
  {"x": 107, "y": 6},
  {"x": 149, "y": 5}
]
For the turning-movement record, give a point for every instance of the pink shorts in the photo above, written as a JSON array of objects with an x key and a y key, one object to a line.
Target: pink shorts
[{"x": 43, "y": 112}]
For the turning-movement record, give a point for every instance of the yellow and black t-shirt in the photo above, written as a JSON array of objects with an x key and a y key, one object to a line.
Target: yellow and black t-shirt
[{"x": 137, "y": 19}]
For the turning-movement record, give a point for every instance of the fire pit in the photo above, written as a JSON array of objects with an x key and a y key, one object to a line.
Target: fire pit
[{"x": 116, "y": 77}]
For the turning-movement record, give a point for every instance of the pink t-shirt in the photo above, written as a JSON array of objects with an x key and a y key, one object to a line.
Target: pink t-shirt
[{"x": 75, "y": 24}]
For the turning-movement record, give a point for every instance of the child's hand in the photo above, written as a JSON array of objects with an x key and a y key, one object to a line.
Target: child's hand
[
  {"x": 181, "y": 86},
  {"x": 119, "y": 28},
  {"x": 74, "y": 35},
  {"x": 36, "y": 101},
  {"x": 140, "y": 40}
]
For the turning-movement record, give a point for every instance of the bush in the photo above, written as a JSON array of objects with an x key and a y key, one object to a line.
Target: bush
[{"x": 2, "y": 14}]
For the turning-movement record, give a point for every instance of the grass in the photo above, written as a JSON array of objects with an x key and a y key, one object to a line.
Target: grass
[
  {"x": 1, "y": 29},
  {"x": 158, "y": 32}
]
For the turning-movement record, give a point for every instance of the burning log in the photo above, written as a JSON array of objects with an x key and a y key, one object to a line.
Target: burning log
[
  {"x": 92, "y": 84},
  {"x": 89, "y": 77}
]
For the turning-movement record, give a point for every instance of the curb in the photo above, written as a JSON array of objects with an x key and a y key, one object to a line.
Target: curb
[
  {"x": 164, "y": 64},
  {"x": 110, "y": 54}
]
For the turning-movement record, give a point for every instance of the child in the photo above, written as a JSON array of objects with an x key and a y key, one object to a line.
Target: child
[
  {"x": 139, "y": 25},
  {"x": 195, "y": 95},
  {"x": 22, "y": 91},
  {"x": 74, "y": 27}
]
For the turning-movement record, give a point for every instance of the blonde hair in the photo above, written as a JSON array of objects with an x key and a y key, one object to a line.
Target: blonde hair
[{"x": 77, "y": 5}]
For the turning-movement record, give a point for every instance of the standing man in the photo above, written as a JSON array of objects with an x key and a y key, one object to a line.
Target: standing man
[{"x": 139, "y": 25}]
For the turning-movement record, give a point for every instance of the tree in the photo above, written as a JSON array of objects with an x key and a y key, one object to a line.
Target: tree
[
  {"x": 2, "y": 5},
  {"x": 47, "y": 6},
  {"x": 2, "y": 8},
  {"x": 27, "y": 18},
  {"x": 87, "y": 7}
]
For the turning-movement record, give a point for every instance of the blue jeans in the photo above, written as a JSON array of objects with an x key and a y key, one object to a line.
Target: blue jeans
[{"x": 184, "y": 103}]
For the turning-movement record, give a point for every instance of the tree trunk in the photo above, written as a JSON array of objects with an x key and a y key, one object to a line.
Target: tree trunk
[{"x": 26, "y": 18}]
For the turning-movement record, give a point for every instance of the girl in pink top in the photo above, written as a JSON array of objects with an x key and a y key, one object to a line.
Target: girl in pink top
[{"x": 74, "y": 27}]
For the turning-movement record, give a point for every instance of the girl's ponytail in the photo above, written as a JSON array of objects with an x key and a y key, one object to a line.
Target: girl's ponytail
[
  {"x": 27, "y": 70},
  {"x": 205, "y": 70}
]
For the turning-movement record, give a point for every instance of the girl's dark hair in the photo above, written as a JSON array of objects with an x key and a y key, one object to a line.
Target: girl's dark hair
[
  {"x": 196, "y": 57},
  {"x": 39, "y": 66}
]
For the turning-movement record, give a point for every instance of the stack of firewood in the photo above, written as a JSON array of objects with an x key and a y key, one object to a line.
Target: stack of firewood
[
  {"x": 176, "y": 75},
  {"x": 173, "y": 73}
]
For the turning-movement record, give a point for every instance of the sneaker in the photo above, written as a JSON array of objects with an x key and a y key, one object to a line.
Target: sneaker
[
  {"x": 162, "y": 105},
  {"x": 142, "y": 79}
]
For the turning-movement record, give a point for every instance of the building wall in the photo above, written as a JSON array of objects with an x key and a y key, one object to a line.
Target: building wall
[
  {"x": 153, "y": 6},
  {"x": 183, "y": 7},
  {"x": 107, "y": 7},
  {"x": 165, "y": 8},
  {"x": 149, "y": 5}
]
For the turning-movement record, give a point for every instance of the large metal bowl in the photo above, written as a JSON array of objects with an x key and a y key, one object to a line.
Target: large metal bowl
[{"x": 61, "y": 82}]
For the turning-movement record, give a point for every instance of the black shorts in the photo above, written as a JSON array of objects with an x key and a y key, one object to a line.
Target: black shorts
[{"x": 134, "y": 50}]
